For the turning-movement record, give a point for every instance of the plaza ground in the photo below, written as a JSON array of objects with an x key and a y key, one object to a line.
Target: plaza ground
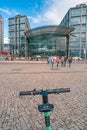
[{"x": 21, "y": 113}]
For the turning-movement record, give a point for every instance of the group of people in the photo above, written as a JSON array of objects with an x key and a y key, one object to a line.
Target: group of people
[{"x": 62, "y": 60}]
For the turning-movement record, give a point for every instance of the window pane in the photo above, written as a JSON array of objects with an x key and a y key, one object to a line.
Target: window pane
[
  {"x": 17, "y": 20},
  {"x": 22, "y": 39},
  {"x": 83, "y": 19},
  {"x": 83, "y": 10},
  {"x": 83, "y": 36},
  {"x": 74, "y": 45},
  {"x": 76, "y": 38},
  {"x": 11, "y": 28},
  {"x": 22, "y": 20},
  {"x": 11, "y": 21},
  {"x": 17, "y": 26},
  {"x": 11, "y": 34},
  {"x": 75, "y": 12},
  {"x": 77, "y": 28},
  {"x": 83, "y": 27},
  {"x": 22, "y": 26},
  {"x": 75, "y": 20},
  {"x": 21, "y": 33}
]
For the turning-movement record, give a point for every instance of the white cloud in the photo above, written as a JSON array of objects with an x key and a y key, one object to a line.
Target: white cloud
[
  {"x": 35, "y": 19},
  {"x": 54, "y": 11},
  {"x": 57, "y": 9},
  {"x": 14, "y": 12},
  {"x": 6, "y": 11}
]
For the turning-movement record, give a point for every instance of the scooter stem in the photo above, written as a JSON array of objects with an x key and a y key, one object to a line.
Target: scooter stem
[{"x": 47, "y": 120}]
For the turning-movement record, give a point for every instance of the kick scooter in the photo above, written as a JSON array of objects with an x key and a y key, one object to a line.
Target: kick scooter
[{"x": 45, "y": 107}]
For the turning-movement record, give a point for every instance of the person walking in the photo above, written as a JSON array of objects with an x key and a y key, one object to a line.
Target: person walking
[
  {"x": 70, "y": 61},
  {"x": 57, "y": 61},
  {"x": 49, "y": 60},
  {"x": 65, "y": 59},
  {"x": 62, "y": 61},
  {"x": 52, "y": 61}
]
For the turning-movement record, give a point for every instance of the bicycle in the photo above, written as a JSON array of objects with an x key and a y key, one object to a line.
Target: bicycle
[{"x": 45, "y": 107}]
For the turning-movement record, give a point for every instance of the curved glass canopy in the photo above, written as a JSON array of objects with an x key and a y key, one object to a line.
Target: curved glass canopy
[{"x": 47, "y": 40}]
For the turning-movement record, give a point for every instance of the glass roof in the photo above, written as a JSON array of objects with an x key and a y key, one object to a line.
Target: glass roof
[{"x": 50, "y": 29}]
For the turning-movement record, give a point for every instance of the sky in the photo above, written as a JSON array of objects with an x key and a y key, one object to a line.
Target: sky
[{"x": 39, "y": 12}]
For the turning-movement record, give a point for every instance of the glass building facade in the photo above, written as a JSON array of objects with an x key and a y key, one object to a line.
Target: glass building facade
[
  {"x": 77, "y": 17},
  {"x": 44, "y": 41},
  {"x": 47, "y": 40},
  {"x": 17, "y": 26}
]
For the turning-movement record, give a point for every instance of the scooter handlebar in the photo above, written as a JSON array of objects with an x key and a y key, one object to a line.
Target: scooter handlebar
[{"x": 49, "y": 91}]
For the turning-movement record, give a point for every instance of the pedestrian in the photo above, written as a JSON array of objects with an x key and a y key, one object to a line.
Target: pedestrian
[
  {"x": 65, "y": 59},
  {"x": 57, "y": 61},
  {"x": 62, "y": 60},
  {"x": 52, "y": 61},
  {"x": 49, "y": 60},
  {"x": 7, "y": 59},
  {"x": 12, "y": 58},
  {"x": 70, "y": 61}
]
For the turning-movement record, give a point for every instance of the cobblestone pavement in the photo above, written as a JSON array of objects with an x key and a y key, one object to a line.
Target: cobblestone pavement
[{"x": 21, "y": 113}]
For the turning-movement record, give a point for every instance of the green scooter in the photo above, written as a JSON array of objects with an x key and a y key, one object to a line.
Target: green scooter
[{"x": 45, "y": 107}]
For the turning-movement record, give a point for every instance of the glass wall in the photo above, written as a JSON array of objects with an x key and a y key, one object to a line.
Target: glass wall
[
  {"x": 22, "y": 26},
  {"x": 77, "y": 18},
  {"x": 78, "y": 28},
  {"x": 17, "y": 27},
  {"x": 22, "y": 19},
  {"x": 47, "y": 45},
  {"x": 78, "y": 11},
  {"x": 75, "y": 11},
  {"x": 11, "y": 21}
]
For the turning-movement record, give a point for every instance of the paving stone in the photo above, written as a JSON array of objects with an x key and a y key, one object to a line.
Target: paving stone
[{"x": 21, "y": 113}]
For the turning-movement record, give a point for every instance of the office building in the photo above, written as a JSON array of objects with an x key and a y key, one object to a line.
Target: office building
[
  {"x": 77, "y": 18},
  {"x": 1, "y": 33},
  {"x": 17, "y": 26},
  {"x": 44, "y": 41}
]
